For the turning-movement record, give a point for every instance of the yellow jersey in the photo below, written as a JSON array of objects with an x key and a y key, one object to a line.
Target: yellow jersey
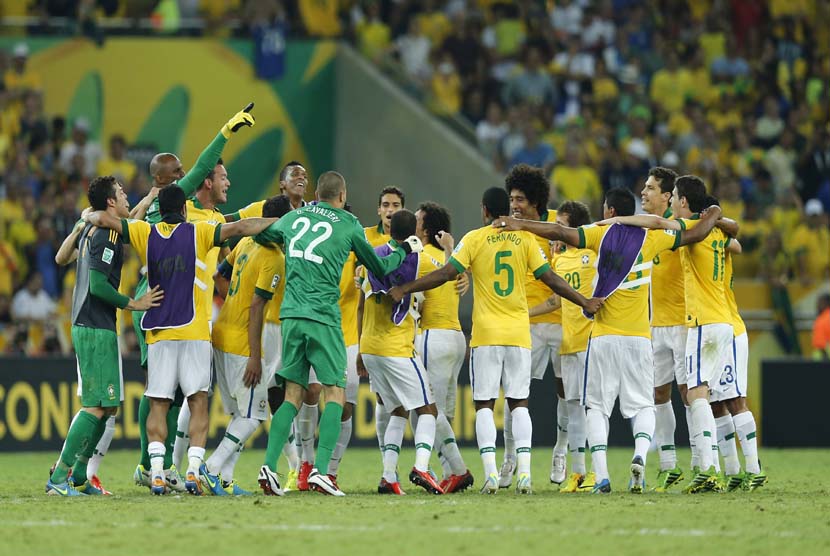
[
  {"x": 500, "y": 261},
  {"x": 254, "y": 210},
  {"x": 626, "y": 311},
  {"x": 704, "y": 273},
  {"x": 272, "y": 310},
  {"x": 376, "y": 236},
  {"x": 440, "y": 308},
  {"x": 578, "y": 268},
  {"x": 537, "y": 291},
  {"x": 380, "y": 335},
  {"x": 197, "y": 213},
  {"x": 137, "y": 234},
  {"x": 349, "y": 299},
  {"x": 737, "y": 322},
  {"x": 254, "y": 273},
  {"x": 668, "y": 295}
]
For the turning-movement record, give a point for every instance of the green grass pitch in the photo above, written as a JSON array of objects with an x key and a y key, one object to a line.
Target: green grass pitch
[{"x": 791, "y": 515}]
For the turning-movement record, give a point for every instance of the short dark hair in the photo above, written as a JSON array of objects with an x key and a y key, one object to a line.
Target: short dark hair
[
  {"x": 402, "y": 225},
  {"x": 496, "y": 201},
  {"x": 709, "y": 201},
  {"x": 392, "y": 190},
  {"x": 329, "y": 185},
  {"x": 666, "y": 177},
  {"x": 434, "y": 219},
  {"x": 693, "y": 188},
  {"x": 621, "y": 200},
  {"x": 171, "y": 200},
  {"x": 101, "y": 189},
  {"x": 578, "y": 213},
  {"x": 532, "y": 182},
  {"x": 284, "y": 171},
  {"x": 276, "y": 207},
  {"x": 212, "y": 171}
]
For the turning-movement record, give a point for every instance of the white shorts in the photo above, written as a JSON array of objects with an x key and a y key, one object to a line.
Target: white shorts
[
  {"x": 668, "y": 343},
  {"x": 733, "y": 380},
  {"x": 545, "y": 340},
  {"x": 708, "y": 349},
  {"x": 400, "y": 381},
  {"x": 120, "y": 373},
  {"x": 619, "y": 367},
  {"x": 505, "y": 366},
  {"x": 573, "y": 371},
  {"x": 250, "y": 402},
  {"x": 442, "y": 352},
  {"x": 352, "y": 380},
  {"x": 271, "y": 351},
  {"x": 182, "y": 363}
]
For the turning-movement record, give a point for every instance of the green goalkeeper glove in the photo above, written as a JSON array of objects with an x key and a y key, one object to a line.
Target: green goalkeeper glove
[{"x": 240, "y": 119}]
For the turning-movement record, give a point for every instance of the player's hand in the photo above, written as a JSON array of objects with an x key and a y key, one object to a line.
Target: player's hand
[
  {"x": 412, "y": 244},
  {"x": 358, "y": 276},
  {"x": 593, "y": 305},
  {"x": 608, "y": 221},
  {"x": 361, "y": 368},
  {"x": 150, "y": 299},
  {"x": 81, "y": 224},
  {"x": 153, "y": 193},
  {"x": 396, "y": 293},
  {"x": 507, "y": 223},
  {"x": 462, "y": 283},
  {"x": 239, "y": 120},
  {"x": 253, "y": 372},
  {"x": 445, "y": 240}
]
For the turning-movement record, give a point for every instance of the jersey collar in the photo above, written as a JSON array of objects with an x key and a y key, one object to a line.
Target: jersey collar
[{"x": 668, "y": 213}]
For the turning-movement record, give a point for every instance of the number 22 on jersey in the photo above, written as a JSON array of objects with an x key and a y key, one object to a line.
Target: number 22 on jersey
[{"x": 322, "y": 231}]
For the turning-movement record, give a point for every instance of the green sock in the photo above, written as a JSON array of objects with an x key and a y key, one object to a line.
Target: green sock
[
  {"x": 329, "y": 432},
  {"x": 280, "y": 429},
  {"x": 172, "y": 425},
  {"x": 77, "y": 439},
  {"x": 79, "y": 469},
  {"x": 143, "y": 413}
]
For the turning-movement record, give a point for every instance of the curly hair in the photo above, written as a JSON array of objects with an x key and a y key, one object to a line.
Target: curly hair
[
  {"x": 435, "y": 218},
  {"x": 532, "y": 182}
]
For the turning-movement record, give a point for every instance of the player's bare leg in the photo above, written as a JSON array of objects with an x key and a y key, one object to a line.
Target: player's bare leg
[{"x": 156, "y": 435}]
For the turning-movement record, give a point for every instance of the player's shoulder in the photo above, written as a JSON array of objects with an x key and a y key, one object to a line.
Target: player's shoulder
[{"x": 549, "y": 216}]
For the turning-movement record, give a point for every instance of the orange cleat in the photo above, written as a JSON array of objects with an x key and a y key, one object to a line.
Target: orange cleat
[
  {"x": 425, "y": 480},
  {"x": 96, "y": 482},
  {"x": 385, "y": 487},
  {"x": 457, "y": 483}
]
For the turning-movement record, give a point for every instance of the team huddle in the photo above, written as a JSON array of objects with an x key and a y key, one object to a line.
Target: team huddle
[{"x": 313, "y": 301}]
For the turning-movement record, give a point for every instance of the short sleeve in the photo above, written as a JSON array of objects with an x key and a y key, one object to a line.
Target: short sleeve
[
  {"x": 688, "y": 223},
  {"x": 590, "y": 237},
  {"x": 231, "y": 258},
  {"x": 207, "y": 236},
  {"x": 536, "y": 260},
  {"x": 138, "y": 234},
  {"x": 104, "y": 250},
  {"x": 254, "y": 210},
  {"x": 462, "y": 255},
  {"x": 658, "y": 241}
]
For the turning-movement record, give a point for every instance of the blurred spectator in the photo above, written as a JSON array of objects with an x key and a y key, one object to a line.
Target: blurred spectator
[
  {"x": 574, "y": 180},
  {"x": 320, "y": 17},
  {"x": 115, "y": 163},
  {"x": 780, "y": 161},
  {"x": 413, "y": 49},
  {"x": 815, "y": 164},
  {"x": 373, "y": 35},
  {"x": 811, "y": 243},
  {"x": 770, "y": 125},
  {"x": 8, "y": 266},
  {"x": 433, "y": 22},
  {"x": 669, "y": 85},
  {"x": 821, "y": 329},
  {"x": 491, "y": 130},
  {"x": 32, "y": 303},
  {"x": 446, "y": 87},
  {"x": 465, "y": 47},
  {"x": 41, "y": 256},
  {"x": 533, "y": 151},
  {"x": 533, "y": 85},
  {"x": 80, "y": 153},
  {"x": 731, "y": 64},
  {"x": 19, "y": 78},
  {"x": 777, "y": 267}
]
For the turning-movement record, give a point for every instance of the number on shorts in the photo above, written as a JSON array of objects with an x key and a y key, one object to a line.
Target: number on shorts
[
  {"x": 573, "y": 279},
  {"x": 503, "y": 267},
  {"x": 728, "y": 377},
  {"x": 308, "y": 254},
  {"x": 239, "y": 266}
]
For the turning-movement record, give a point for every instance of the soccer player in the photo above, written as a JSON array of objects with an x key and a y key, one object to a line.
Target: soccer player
[
  {"x": 443, "y": 345},
  {"x": 529, "y": 192},
  {"x": 94, "y": 303},
  {"x": 500, "y": 355},
  {"x": 317, "y": 240},
  {"x": 576, "y": 266},
  {"x": 166, "y": 169},
  {"x": 387, "y": 350},
  {"x": 253, "y": 275},
  {"x": 178, "y": 334},
  {"x": 293, "y": 182},
  {"x": 619, "y": 357},
  {"x": 668, "y": 329}
]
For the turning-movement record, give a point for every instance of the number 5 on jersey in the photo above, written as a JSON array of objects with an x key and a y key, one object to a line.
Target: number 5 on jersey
[{"x": 308, "y": 253}]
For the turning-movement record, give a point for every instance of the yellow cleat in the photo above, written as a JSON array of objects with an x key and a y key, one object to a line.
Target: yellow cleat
[
  {"x": 588, "y": 482},
  {"x": 291, "y": 481},
  {"x": 572, "y": 483}
]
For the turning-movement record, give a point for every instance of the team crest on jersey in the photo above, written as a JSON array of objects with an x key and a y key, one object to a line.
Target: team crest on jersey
[
  {"x": 458, "y": 247},
  {"x": 111, "y": 391},
  {"x": 585, "y": 259},
  {"x": 262, "y": 404},
  {"x": 671, "y": 232},
  {"x": 107, "y": 255},
  {"x": 275, "y": 281}
]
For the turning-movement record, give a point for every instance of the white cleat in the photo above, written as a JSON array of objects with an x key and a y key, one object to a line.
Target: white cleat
[
  {"x": 173, "y": 480},
  {"x": 508, "y": 469},
  {"x": 523, "y": 485},
  {"x": 322, "y": 484},
  {"x": 142, "y": 476},
  {"x": 637, "y": 482},
  {"x": 558, "y": 468},
  {"x": 269, "y": 482},
  {"x": 491, "y": 485}
]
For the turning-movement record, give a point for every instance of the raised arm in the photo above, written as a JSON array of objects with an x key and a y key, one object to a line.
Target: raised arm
[
  {"x": 549, "y": 230},
  {"x": 139, "y": 211},
  {"x": 103, "y": 219},
  {"x": 245, "y": 227},
  {"x": 728, "y": 226},
  {"x": 707, "y": 221},
  {"x": 561, "y": 287},
  {"x": 379, "y": 266},
  {"x": 734, "y": 246},
  {"x": 68, "y": 251}
]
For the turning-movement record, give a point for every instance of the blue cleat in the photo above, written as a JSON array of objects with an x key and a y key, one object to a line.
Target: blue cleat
[
  {"x": 602, "y": 487},
  {"x": 211, "y": 483},
  {"x": 61, "y": 489},
  {"x": 234, "y": 489},
  {"x": 89, "y": 489}
]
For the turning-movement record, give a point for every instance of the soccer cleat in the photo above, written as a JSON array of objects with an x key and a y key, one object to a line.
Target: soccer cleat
[
  {"x": 192, "y": 484},
  {"x": 142, "y": 476},
  {"x": 754, "y": 481},
  {"x": 720, "y": 482},
  {"x": 333, "y": 479},
  {"x": 588, "y": 483},
  {"x": 702, "y": 481},
  {"x": 557, "y": 468},
  {"x": 322, "y": 484},
  {"x": 291, "y": 480},
  {"x": 157, "y": 485},
  {"x": 96, "y": 482},
  {"x": 385, "y": 487},
  {"x": 232, "y": 488},
  {"x": 638, "y": 479},
  {"x": 212, "y": 483},
  {"x": 508, "y": 469},
  {"x": 491, "y": 484},
  {"x": 735, "y": 482},
  {"x": 573, "y": 482},
  {"x": 89, "y": 489},
  {"x": 457, "y": 483},
  {"x": 269, "y": 482},
  {"x": 602, "y": 487},
  {"x": 174, "y": 480},
  {"x": 425, "y": 480},
  {"x": 668, "y": 478},
  {"x": 302, "y": 477},
  {"x": 61, "y": 489},
  {"x": 523, "y": 485}
]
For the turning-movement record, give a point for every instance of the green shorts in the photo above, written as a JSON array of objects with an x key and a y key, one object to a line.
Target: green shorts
[
  {"x": 140, "y": 290},
  {"x": 99, "y": 365},
  {"x": 310, "y": 343}
]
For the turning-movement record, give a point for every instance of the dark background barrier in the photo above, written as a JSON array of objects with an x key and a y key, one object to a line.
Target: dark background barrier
[{"x": 793, "y": 396}]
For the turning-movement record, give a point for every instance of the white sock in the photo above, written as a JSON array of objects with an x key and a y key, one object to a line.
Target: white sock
[
  {"x": 643, "y": 428},
  {"x": 381, "y": 422},
  {"x": 446, "y": 468},
  {"x": 726, "y": 444},
  {"x": 522, "y": 436},
  {"x": 392, "y": 447},
  {"x": 156, "y": 451},
  {"x": 486, "y": 437},
  {"x": 308, "y": 415},
  {"x": 445, "y": 438},
  {"x": 664, "y": 425},
  {"x": 702, "y": 431},
  {"x": 290, "y": 448},
  {"x": 695, "y": 461},
  {"x": 598, "y": 442},
  {"x": 413, "y": 421},
  {"x": 295, "y": 426},
  {"x": 561, "y": 446},
  {"x": 509, "y": 445},
  {"x": 238, "y": 432},
  {"x": 195, "y": 457},
  {"x": 745, "y": 427},
  {"x": 102, "y": 448},
  {"x": 227, "y": 470},
  {"x": 577, "y": 435},
  {"x": 340, "y": 447},
  {"x": 714, "y": 428},
  {"x": 424, "y": 439},
  {"x": 182, "y": 442}
]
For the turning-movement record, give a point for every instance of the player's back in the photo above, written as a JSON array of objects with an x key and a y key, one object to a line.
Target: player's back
[
  {"x": 440, "y": 308},
  {"x": 577, "y": 267},
  {"x": 729, "y": 280},
  {"x": 667, "y": 290},
  {"x": 704, "y": 274},
  {"x": 538, "y": 292}
]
